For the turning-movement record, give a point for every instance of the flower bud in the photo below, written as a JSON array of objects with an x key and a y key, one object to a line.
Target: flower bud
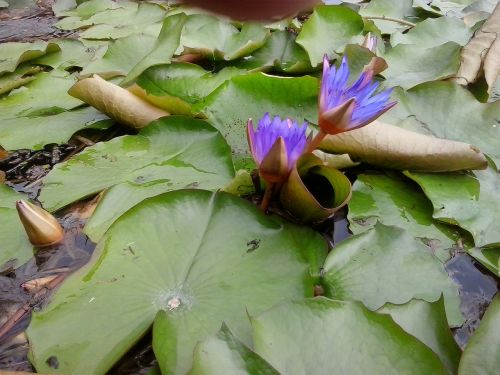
[{"x": 41, "y": 227}]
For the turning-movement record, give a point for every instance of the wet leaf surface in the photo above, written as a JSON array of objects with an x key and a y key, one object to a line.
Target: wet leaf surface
[
  {"x": 205, "y": 248},
  {"x": 165, "y": 156},
  {"x": 385, "y": 264},
  {"x": 392, "y": 200},
  {"x": 353, "y": 340}
]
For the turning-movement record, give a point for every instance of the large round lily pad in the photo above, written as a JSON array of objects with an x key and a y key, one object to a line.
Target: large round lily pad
[{"x": 197, "y": 257}]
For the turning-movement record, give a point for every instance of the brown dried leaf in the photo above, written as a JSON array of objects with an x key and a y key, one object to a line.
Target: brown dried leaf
[
  {"x": 482, "y": 54},
  {"x": 393, "y": 147},
  {"x": 116, "y": 102}
]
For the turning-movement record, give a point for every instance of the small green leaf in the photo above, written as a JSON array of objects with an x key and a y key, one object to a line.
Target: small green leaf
[
  {"x": 410, "y": 65},
  {"x": 13, "y": 54},
  {"x": 37, "y": 131},
  {"x": 177, "y": 86},
  {"x": 427, "y": 322},
  {"x": 328, "y": 30},
  {"x": 320, "y": 336},
  {"x": 163, "y": 49},
  {"x": 387, "y": 265},
  {"x": 280, "y": 53},
  {"x": 468, "y": 200},
  {"x": 392, "y": 200},
  {"x": 434, "y": 32},
  {"x": 225, "y": 353},
  {"x": 218, "y": 39},
  {"x": 481, "y": 353}
]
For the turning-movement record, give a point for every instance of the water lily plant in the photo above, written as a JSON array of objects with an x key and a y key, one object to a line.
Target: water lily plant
[
  {"x": 344, "y": 107},
  {"x": 276, "y": 145}
]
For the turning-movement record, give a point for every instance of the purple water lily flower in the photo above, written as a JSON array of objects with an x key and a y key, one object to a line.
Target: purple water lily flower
[
  {"x": 343, "y": 107},
  {"x": 276, "y": 145}
]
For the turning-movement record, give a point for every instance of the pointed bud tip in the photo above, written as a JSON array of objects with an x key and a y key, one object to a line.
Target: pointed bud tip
[
  {"x": 274, "y": 166},
  {"x": 42, "y": 228}
]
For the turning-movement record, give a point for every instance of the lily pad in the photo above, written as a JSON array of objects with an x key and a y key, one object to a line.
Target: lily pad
[
  {"x": 37, "y": 131},
  {"x": 177, "y": 86},
  {"x": 197, "y": 265},
  {"x": 481, "y": 353},
  {"x": 175, "y": 152},
  {"x": 250, "y": 96},
  {"x": 225, "y": 353},
  {"x": 410, "y": 65},
  {"x": 467, "y": 200},
  {"x": 72, "y": 53},
  {"x": 427, "y": 322},
  {"x": 14, "y": 243},
  {"x": 329, "y": 29},
  {"x": 46, "y": 95},
  {"x": 163, "y": 49},
  {"x": 434, "y": 32},
  {"x": 121, "y": 56},
  {"x": 321, "y": 336},
  {"x": 130, "y": 15},
  {"x": 393, "y": 200},
  {"x": 387, "y": 265},
  {"x": 218, "y": 39},
  {"x": 14, "y": 54},
  {"x": 447, "y": 110},
  {"x": 280, "y": 53}
]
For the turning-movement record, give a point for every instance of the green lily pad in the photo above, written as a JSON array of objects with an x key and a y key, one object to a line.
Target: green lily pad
[
  {"x": 467, "y": 200},
  {"x": 218, "y": 39},
  {"x": 393, "y": 200},
  {"x": 488, "y": 257},
  {"x": 13, "y": 54},
  {"x": 204, "y": 259},
  {"x": 47, "y": 94},
  {"x": 328, "y": 30},
  {"x": 250, "y": 96},
  {"x": 434, "y": 32},
  {"x": 427, "y": 322},
  {"x": 23, "y": 75},
  {"x": 121, "y": 56},
  {"x": 280, "y": 53},
  {"x": 72, "y": 53},
  {"x": 321, "y": 336},
  {"x": 177, "y": 152},
  {"x": 14, "y": 243},
  {"x": 177, "y": 86},
  {"x": 226, "y": 353},
  {"x": 129, "y": 15},
  {"x": 481, "y": 353},
  {"x": 410, "y": 65},
  {"x": 398, "y": 9},
  {"x": 37, "y": 131},
  {"x": 163, "y": 49},
  {"x": 387, "y": 265},
  {"x": 447, "y": 110}
]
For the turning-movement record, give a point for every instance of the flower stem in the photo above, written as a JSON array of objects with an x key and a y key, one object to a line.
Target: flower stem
[
  {"x": 268, "y": 194},
  {"x": 316, "y": 141}
]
